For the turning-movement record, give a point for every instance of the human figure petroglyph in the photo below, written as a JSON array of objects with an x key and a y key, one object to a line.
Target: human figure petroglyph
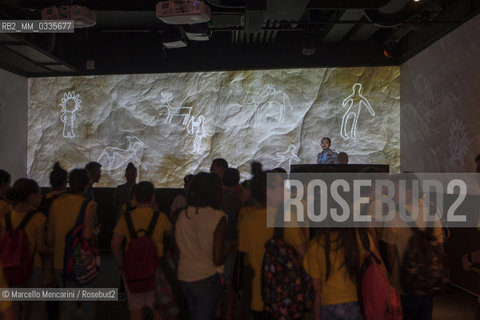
[
  {"x": 196, "y": 127},
  {"x": 68, "y": 116},
  {"x": 114, "y": 158},
  {"x": 458, "y": 143},
  {"x": 356, "y": 98},
  {"x": 289, "y": 155}
]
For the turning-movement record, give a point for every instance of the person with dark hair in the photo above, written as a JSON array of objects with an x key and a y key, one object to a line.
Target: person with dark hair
[
  {"x": 255, "y": 168},
  {"x": 200, "y": 236},
  {"x": 254, "y": 233},
  {"x": 63, "y": 215},
  {"x": 58, "y": 181},
  {"x": 231, "y": 205},
  {"x": 342, "y": 158},
  {"x": 180, "y": 200},
  {"x": 95, "y": 171},
  {"x": 218, "y": 166},
  {"x": 244, "y": 192},
  {"x": 333, "y": 260},
  {"x": 396, "y": 237},
  {"x": 25, "y": 198},
  {"x": 327, "y": 156},
  {"x": 4, "y": 187},
  {"x": 123, "y": 192},
  {"x": 141, "y": 218}
]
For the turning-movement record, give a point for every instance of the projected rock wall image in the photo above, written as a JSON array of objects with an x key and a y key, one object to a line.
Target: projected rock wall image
[{"x": 169, "y": 125}]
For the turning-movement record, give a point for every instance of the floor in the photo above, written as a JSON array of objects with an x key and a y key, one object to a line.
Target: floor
[{"x": 455, "y": 305}]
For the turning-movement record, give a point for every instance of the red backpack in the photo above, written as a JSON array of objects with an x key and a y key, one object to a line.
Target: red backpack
[
  {"x": 141, "y": 257},
  {"x": 378, "y": 298},
  {"x": 15, "y": 253}
]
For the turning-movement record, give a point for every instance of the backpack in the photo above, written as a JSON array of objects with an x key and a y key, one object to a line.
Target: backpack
[
  {"x": 141, "y": 257},
  {"x": 378, "y": 299},
  {"x": 287, "y": 290},
  {"x": 81, "y": 261},
  {"x": 423, "y": 269},
  {"x": 15, "y": 253}
]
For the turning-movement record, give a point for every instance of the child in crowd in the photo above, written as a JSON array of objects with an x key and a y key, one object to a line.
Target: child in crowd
[
  {"x": 254, "y": 233},
  {"x": 200, "y": 235},
  {"x": 25, "y": 198},
  {"x": 62, "y": 217},
  {"x": 141, "y": 217}
]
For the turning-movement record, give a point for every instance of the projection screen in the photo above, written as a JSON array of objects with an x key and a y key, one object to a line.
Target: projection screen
[{"x": 169, "y": 125}]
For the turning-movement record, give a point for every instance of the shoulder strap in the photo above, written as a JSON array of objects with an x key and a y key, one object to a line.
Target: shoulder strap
[
  {"x": 128, "y": 221},
  {"x": 25, "y": 220},
  {"x": 53, "y": 198},
  {"x": 81, "y": 214},
  {"x": 279, "y": 216},
  {"x": 153, "y": 223}
]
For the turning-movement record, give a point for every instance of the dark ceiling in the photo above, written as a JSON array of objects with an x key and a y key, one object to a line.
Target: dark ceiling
[{"x": 242, "y": 34}]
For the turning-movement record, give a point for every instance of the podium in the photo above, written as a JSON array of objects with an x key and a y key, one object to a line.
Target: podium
[{"x": 346, "y": 168}]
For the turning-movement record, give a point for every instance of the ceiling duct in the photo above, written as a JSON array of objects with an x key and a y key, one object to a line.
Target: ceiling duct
[
  {"x": 406, "y": 14},
  {"x": 255, "y": 16},
  {"x": 346, "y": 4},
  {"x": 285, "y": 10}
]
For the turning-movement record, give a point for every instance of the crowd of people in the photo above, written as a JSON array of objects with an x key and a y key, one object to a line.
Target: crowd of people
[{"x": 213, "y": 237}]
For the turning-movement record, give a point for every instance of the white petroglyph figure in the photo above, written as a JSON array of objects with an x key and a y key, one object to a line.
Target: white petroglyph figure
[
  {"x": 289, "y": 155},
  {"x": 113, "y": 158},
  {"x": 184, "y": 112},
  {"x": 269, "y": 103},
  {"x": 357, "y": 99},
  {"x": 195, "y": 127},
  {"x": 70, "y": 104},
  {"x": 458, "y": 144},
  {"x": 424, "y": 96}
]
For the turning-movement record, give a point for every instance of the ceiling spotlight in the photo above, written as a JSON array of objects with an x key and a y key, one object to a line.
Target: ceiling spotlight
[{"x": 390, "y": 49}]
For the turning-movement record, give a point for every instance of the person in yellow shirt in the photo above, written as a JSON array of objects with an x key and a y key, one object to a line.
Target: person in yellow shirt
[
  {"x": 333, "y": 260},
  {"x": 7, "y": 311},
  {"x": 4, "y": 187},
  {"x": 25, "y": 198},
  {"x": 141, "y": 217},
  {"x": 254, "y": 233},
  {"x": 58, "y": 181},
  {"x": 63, "y": 215}
]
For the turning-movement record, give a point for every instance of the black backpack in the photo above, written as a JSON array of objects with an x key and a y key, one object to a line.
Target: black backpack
[{"x": 423, "y": 269}]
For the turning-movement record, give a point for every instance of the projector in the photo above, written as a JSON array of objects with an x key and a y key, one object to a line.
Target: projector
[
  {"x": 183, "y": 11},
  {"x": 82, "y": 16}
]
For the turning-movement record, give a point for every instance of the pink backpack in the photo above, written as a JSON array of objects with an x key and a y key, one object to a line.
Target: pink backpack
[
  {"x": 15, "y": 253},
  {"x": 141, "y": 257},
  {"x": 378, "y": 298}
]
